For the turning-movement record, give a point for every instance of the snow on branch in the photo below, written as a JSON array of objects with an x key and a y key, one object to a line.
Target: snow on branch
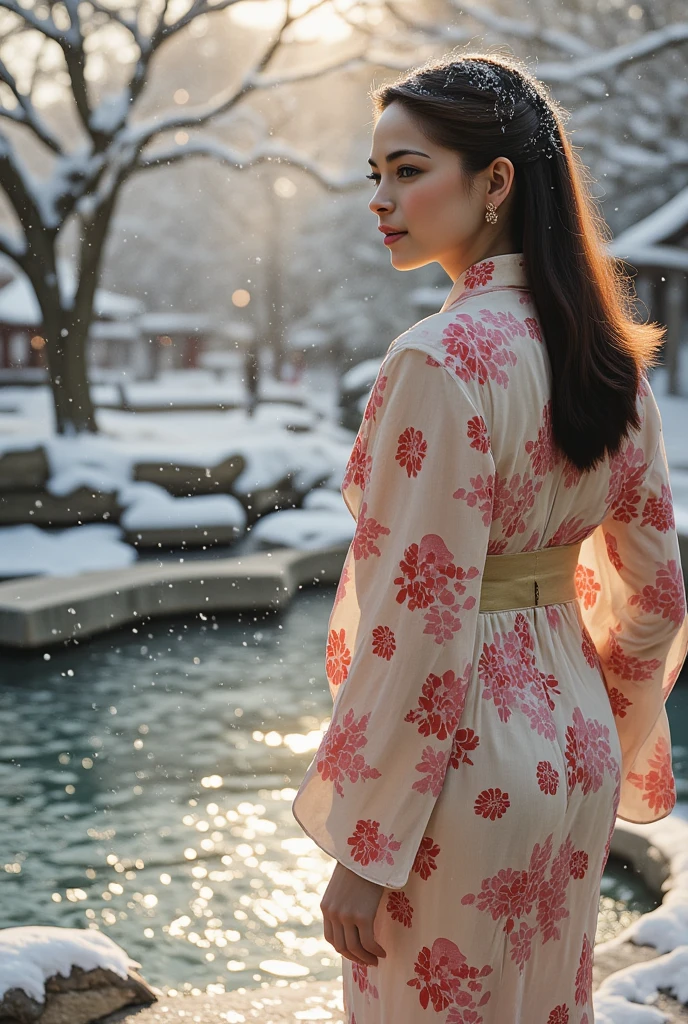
[
  {"x": 569, "y": 43},
  {"x": 267, "y": 152},
  {"x": 138, "y": 135},
  {"x": 25, "y": 112},
  {"x": 46, "y": 26},
  {"x": 16, "y": 250},
  {"x": 648, "y": 45}
]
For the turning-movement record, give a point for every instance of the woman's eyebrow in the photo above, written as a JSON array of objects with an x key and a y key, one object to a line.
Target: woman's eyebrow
[{"x": 397, "y": 153}]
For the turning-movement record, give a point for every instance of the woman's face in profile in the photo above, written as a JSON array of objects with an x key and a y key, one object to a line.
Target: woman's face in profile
[{"x": 422, "y": 193}]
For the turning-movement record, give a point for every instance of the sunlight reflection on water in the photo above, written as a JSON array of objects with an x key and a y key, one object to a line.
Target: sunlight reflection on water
[{"x": 146, "y": 784}]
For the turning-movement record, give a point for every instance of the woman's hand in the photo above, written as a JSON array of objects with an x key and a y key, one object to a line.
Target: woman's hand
[{"x": 348, "y": 906}]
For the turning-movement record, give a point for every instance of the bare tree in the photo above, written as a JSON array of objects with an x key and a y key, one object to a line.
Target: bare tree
[
  {"x": 86, "y": 181},
  {"x": 115, "y": 142}
]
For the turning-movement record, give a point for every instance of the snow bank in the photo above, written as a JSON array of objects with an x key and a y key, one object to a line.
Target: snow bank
[
  {"x": 305, "y": 529},
  {"x": 624, "y": 997},
  {"x": 30, "y": 955},
  {"x": 153, "y": 508},
  {"x": 29, "y": 551}
]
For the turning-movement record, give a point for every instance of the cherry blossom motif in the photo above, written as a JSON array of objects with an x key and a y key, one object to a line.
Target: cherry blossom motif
[
  {"x": 337, "y": 657},
  {"x": 444, "y": 979},
  {"x": 358, "y": 467},
  {"x": 465, "y": 742},
  {"x": 384, "y": 642},
  {"x": 492, "y": 804},
  {"x": 553, "y": 616},
  {"x": 570, "y": 531},
  {"x": 359, "y": 974},
  {"x": 619, "y": 703},
  {"x": 369, "y": 845},
  {"x": 516, "y": 895},
  {"x": 658, "y": 785},
  {"x": 559, "y": 1015},
  {"x": 613, "y": 550},
  {"x": 659, "y": 512},
  {"x": 584, "y": 974},
  {"x": 588, "y": 753},
  {"x": 430, "y": 580},
  {"x": 477, "y": 434},
  {"x": 586, "y": 585},
  {"x": 440, "y": 704},
  {"x": 579, "y": 864},
  {"x": 426, "y": 858},
  {"x": 548, "y": 777},
  {"x": 533, "y": 327},
  {"x": 589, "y": 649},
  {"x": 667, "y": 597},
  {"x": 399, "y": 908},
  {"x": 497, "y": 546},
  {"x": 411, "y": 450},
  {"x": 511, "y": 679},
  {"x": 506, "y": 322},
  {"x": 339, "y": 754},
  {"x": 476, "y": 352},
  {"x": 375, "y": 400},
  {"x": 544, "y": 454},
  {"x": 481, "y": 495},
  {"x": 479, "y": 274},
  {"x": 513, "y": 499},
  {"x": 432, "y": 362},
  {"x": 433, "y": 767},
  {"x": 572, "y": 474},
  {"x": 628, "y": 469},
  {"x": 628, "y": 666},
  {"x": 344, "y": 578},
  {"x": 367, "y": 532},
  {"x": 532, "y": 541}
]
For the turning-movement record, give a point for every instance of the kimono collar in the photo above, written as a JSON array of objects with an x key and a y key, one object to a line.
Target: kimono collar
[{"x": 504, "y": 271}]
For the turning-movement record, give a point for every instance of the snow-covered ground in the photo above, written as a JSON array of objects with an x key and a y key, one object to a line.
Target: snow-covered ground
[{"x": 282, "y": 437}]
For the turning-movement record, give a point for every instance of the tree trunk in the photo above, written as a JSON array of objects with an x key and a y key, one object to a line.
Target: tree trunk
[{"x": 66, "y": 358}]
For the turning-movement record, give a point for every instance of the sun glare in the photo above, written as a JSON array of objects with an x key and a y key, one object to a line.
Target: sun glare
[{"x": 321, "y": 25}]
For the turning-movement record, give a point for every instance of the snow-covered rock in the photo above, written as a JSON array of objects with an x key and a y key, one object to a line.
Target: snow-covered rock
[
  {"x": 30, "y": 551},
  {"x": 305, "y": 529},
  {"x": 69, "y": 974}
]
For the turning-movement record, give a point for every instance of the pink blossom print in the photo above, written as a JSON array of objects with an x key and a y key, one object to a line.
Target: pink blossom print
[
  {"x": 658, "y": 785},
  {"x": 341, "y": 758},
  {"x": 489, "y": 750},
  {"x": 477, "y": 434},
  {"x": 667, "y": 597},
  {"x": 411, "y": 450},
  {"x": 369, "y": 845},
  {"x": 444, "y": 978}
]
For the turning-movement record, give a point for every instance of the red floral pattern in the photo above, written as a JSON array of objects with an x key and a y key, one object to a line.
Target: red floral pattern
[
  {"x": 476, "y": 431},
  {"x": 445, "y": 979},
  {"x": 658, "y": 785},
  {"x": 411, "y": 450},
  {"x": 339, "y": 754},
  {"x": 432, "y": 699}
]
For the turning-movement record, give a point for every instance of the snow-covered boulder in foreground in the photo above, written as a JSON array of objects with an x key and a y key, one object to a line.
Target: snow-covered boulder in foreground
[
  {"x": 153, "y": 516},
  {"x": 71, "y": 975}
]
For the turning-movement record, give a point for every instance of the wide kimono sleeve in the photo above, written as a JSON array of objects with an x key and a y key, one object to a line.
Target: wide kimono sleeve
[
  {"x": 400, "y": 644},
  {"x": 634, "y": 608}
]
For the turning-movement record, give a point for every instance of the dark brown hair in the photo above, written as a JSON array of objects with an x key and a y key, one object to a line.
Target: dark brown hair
[{"x": 484, "y": 106}]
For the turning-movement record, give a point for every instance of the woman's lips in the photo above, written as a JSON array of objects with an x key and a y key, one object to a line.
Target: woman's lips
[{"x": 391, "y": 239}]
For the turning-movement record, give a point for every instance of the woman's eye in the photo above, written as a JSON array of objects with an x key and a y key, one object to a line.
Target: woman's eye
[{"x": 414, "y": 171}]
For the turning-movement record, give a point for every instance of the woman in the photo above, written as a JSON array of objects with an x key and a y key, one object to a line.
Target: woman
[{"x": 511, "y": 614}]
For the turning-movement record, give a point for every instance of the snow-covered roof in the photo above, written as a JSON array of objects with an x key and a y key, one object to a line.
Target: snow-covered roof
[
  {"x": 170, "y": 322},
  {"x": 660, "y": 224},
  {"x": 669, "y": 256}
]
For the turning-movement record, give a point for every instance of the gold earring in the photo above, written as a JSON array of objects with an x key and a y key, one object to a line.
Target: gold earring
[{"x": 491, "y": 213}]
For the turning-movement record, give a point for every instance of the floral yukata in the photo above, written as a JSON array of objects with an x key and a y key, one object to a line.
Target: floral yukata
[{"x": 476, "y": 761}]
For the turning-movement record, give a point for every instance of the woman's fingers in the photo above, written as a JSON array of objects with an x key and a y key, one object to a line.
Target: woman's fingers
[
  {"x": 339, "y": 941},
  {"x": 368, "y": 940},
  {"x": 354, "y": 946}
]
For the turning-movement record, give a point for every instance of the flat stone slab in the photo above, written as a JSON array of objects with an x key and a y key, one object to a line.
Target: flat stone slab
[{"x": 46, "y": 610}]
